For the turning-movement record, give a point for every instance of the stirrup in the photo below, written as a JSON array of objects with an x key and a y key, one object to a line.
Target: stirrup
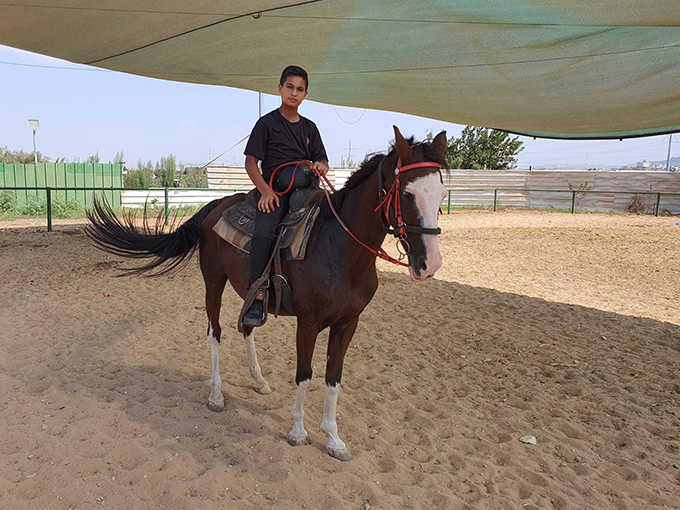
[{"x": 255, "y": 316}]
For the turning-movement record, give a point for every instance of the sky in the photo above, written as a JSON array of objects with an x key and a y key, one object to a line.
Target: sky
[{"x": 84, "y": 109}]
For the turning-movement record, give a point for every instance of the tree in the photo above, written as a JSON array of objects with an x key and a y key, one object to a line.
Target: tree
[
  {"x": 479, "y": 148},
  {"x": 347, "y": 162},
  {"x": 142, "y": 177},
  {"x": 94, "y": 159},
  {"x": 19, "y": 157},
  {"x": 119, "y": 159},
  {"x": 166, "y": 171},
  {"x": 194, "y": 177},
  {"x": 485, "y": 148}
]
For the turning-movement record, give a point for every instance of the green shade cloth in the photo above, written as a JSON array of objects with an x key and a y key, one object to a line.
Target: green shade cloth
[{"x": 553, "y": 68}]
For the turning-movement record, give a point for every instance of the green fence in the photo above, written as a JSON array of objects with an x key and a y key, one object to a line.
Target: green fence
[{"x": 74, "y": 176}]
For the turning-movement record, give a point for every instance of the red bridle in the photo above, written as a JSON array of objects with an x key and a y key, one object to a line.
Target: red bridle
[{"x": 393, "y": 194}]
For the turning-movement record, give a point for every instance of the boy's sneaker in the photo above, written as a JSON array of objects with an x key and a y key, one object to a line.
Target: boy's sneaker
[{"x": 254, "y": 316}]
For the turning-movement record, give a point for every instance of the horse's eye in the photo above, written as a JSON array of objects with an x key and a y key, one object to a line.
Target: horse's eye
[{"x": 408, "y": 195}]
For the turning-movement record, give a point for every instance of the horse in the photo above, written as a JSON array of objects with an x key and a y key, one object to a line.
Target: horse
[{"x": 331, "y": 286}]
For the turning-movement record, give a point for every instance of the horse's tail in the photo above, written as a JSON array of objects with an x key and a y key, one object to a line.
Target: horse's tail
[{"x": 122, "y": 236}]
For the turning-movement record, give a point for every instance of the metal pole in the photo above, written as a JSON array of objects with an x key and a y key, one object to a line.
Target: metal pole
[
  {"x": 495, "y": 199},
  {"x": 260, "y": 101},
  {"x": 35, "y": 151},
  {"x": 449, "y": 207},
  {"x": 668, "y": 159},
  {"x": 167, "y": 207},
  {"x": 573, "y": 202},
  {"x": 658, "y": 203},
  {"x": 49, "y": 209}
]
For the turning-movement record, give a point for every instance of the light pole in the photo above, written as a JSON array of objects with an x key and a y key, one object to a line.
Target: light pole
[{"x": 34, "y": 124}]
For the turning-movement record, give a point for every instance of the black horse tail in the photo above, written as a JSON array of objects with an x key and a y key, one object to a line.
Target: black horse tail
[{"x": 122, "y": 236}]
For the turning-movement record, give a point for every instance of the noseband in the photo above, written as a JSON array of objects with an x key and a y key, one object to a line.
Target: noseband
[{"x": 402, "y": 230}]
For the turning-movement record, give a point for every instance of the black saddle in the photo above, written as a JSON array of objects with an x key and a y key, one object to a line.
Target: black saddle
[{"x": 295, "y": 226}]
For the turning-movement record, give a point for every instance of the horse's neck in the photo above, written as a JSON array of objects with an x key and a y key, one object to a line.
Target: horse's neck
[{"x": 358, "y": 213}]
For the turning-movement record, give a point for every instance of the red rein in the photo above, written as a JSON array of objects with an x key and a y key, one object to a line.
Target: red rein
[
  {"x": 393, "y": 194},
  {"x": 292, "y": 181}
]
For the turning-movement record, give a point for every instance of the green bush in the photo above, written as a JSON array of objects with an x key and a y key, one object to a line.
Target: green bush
[
  {"x": 8, "y": 202},
  {"x": 35, "y": 206},
  {"x": 62, "y": 208}
]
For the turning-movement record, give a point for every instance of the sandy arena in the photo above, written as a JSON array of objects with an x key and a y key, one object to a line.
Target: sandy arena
[{"x": 563, "y": 327}]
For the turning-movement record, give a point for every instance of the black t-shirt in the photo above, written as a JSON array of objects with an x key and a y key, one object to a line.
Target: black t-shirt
[{"x": 275, "y": 141}]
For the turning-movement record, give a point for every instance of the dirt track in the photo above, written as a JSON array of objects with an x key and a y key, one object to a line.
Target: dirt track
[{"x": 562, "y": 327}]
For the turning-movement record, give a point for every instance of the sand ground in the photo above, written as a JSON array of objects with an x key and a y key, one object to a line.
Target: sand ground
[{"x": 564, "y": 327}]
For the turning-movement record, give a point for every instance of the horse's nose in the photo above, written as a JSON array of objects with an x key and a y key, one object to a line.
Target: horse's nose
[{"x": 421, "y": 264}]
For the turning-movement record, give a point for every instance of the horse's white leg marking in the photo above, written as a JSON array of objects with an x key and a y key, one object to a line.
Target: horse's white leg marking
[
  {"x": 216, "y": 399},
  {"x": 335, "y": 447},
  {"x": 298, "y": 436},
  {"x": 259, "y": 383},
  {"x": 429, "y": 193}
]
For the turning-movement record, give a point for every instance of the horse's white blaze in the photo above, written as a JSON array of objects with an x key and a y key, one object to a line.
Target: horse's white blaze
[
  {"x": 329, "y": 425},
  {"x": 216, "y": 397},
  {"x": 429, "y": 192},
  {"x": 259, "y": 382},
  {"x": 299, "y": 434}
]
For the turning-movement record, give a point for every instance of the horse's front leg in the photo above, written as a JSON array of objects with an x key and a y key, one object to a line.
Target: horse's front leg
[
  {"x": 305, "y": 341},
  {"x": 260, "y": 384},
  {"x": 338, "y": 342}
]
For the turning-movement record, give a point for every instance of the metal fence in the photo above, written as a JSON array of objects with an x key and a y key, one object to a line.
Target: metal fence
[
  {"x": 68, "y": 181},
  {"x": 211, "y": 194}
]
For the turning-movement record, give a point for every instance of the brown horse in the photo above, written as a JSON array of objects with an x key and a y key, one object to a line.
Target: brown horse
[{"x": 334, "y": 283}]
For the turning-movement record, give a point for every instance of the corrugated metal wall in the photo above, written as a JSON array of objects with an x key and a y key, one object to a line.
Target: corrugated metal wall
[
  {"x": 628, "y": 182},
  {"x": 177, "y": 197},
  {"x": 468, "y": 184},
  {"x": 233, "y": 177},
  {"x": 61, "y": 175}
]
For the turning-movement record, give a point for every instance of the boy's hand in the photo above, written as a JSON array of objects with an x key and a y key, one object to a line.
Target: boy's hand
[
  {"x": 320, "y": 168},
  {"x": 268, "y": 200}
]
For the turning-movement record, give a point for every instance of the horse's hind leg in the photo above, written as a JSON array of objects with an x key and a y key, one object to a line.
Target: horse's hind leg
[
  {"x": 260, "y": 385},
  {"x": 338, "y": 342},
  {"x": 214, "y": 286}
]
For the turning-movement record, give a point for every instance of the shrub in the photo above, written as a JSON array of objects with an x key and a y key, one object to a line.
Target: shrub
[
  {"x": 62, "y": 208},
  {"x": 638, "y": 205},
  {"x": 8, "y": 202},
  {"x": 35, "y": 206}
]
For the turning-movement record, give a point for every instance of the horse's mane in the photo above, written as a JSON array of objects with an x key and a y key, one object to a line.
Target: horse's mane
[{"x": 370, "y": 165}]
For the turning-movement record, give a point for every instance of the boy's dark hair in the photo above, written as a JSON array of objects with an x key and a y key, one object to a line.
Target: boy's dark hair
[{"x": 294, "y": 71}]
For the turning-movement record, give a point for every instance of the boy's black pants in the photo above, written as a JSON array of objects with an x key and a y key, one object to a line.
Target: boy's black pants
[{"x": 263, "y": 238}]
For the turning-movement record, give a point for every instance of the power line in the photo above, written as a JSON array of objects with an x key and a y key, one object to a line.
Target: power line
[
  {"x": 350, "y": 123},
  {"x": 57, "y": 67}
]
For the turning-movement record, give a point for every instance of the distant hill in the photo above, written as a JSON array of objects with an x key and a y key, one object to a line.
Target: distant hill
[{"x": 675, "y": 161}]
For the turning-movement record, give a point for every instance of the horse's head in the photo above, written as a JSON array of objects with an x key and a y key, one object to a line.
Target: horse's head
[{"x": 421, "y": 193}]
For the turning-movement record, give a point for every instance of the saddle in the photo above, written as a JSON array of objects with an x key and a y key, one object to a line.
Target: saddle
[{"x": 237, "y": 226}]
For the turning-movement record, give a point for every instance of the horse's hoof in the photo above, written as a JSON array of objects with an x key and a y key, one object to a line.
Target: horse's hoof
[
  {"x": 298, "y": 441},
  {"x": 216, "y": 407},
  {"x": 339, "y": 453},
  {"x": 263, "y": 389}
]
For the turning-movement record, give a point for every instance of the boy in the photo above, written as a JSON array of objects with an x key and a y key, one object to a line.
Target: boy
[{"x": 281, "y": 136}]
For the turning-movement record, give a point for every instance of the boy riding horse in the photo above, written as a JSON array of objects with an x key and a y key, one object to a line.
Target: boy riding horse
[{"x": 282, "y": 136}]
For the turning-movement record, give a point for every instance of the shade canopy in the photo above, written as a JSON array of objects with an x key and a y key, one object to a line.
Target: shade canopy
[{"x": 554, "y": 68}]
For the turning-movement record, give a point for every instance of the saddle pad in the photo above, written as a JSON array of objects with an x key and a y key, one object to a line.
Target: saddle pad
[{"x": 237, "y": 225}]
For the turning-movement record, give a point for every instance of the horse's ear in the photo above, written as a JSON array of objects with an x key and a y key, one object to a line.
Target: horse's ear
[
  {"x": 403, "y": 148},
  {"x": 439, "y": 143}
]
